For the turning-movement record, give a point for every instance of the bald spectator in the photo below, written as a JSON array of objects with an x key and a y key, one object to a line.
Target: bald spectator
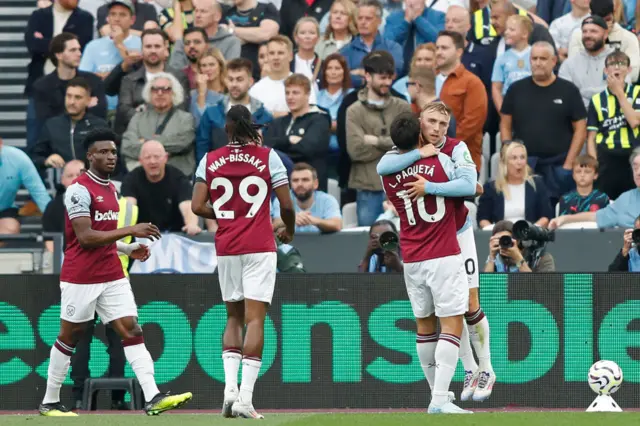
[
  {"x": 16, "y": 170},
  {"x": 207, "y": 16},
  {"x": 585, "y": 68},
  {"x": 562, "y": 28},
  {"x": 551, "y": 121},
  {"x": 53, "y": 216},
  {"x": 161, "y": 192},
  {"x": 461, "y": 91},
  {"x": 618, "y": 37},
  {"x": 162, "y": 121}
]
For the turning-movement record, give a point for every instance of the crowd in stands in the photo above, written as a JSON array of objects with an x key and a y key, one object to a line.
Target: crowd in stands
[{"x": 544, "y": 96}]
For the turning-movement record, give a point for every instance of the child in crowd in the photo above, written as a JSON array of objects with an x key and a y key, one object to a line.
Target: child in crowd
[
  {"x": 514, "y": 63},
  {"x": 584, "y": 198}
]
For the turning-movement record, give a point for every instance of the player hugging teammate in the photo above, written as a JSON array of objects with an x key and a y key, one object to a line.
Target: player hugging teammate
[{"x": 430, "y": 174}]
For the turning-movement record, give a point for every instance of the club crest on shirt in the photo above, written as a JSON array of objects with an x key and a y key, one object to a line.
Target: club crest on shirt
[{"x": 99, "y": 199}]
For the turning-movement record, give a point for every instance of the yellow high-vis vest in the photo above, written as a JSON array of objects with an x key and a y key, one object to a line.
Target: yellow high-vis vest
[{"x": 127, "y": 216}]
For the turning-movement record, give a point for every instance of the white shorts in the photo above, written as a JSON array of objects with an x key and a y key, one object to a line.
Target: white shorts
[
  {"x": 111, "y": 300},
  {"x": 247, "y": 276},
  {"x": 437, "y": 286},
  {"x": 467, "y": 243}
]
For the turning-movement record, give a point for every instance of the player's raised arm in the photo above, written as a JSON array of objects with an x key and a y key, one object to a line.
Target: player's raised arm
[
  {"x": 77, "y": 201},
  {"x": 200, "y": 195}
]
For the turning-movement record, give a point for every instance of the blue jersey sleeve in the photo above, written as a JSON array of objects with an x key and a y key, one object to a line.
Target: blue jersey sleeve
[
  {"x": 461, "y": 171},
  {"x": 393, "y": 161}
]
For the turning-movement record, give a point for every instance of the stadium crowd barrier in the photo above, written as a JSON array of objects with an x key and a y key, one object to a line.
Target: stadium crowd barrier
[{"x": 345, "y": 340}]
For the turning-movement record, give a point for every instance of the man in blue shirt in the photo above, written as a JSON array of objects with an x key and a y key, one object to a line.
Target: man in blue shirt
[
  {"x": 16, "y": 169},
  {"x": 316, "y": 211},
  {"x": 103, "y": 54}
]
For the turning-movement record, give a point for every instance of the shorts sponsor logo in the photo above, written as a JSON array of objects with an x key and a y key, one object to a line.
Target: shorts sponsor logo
[
  {"x": 71, "y": 310},
  {"x": 110, "y": 215}
]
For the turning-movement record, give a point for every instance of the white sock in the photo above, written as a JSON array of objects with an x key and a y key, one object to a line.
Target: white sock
[
  {"x": 446, "y": 361},
  {"x": 250, "y": 369},
  {"x": 426, "y": 348},
  {"x": 466, "y": 354},
  {"x": 231, "y": 358},
  {"x": 479, "y": 333},
  {"x": 59, "y": 362},
  {"x": 142, "y": 365}
]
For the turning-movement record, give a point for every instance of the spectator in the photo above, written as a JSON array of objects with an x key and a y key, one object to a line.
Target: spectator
[
  {"x": 335, "y": 83},
  {"x": 16, "y": 170},
  {"x": 424, "y": 56},
  {"x": 207, "y": 16},
  {"x": 585, "y": 68},
  {"x": 210, "y": 83},
  {"x": 340, "y": 30},
  {"x": 154, "y": 55},
  {"x": 316, "y": 211},
  {"x": 501, "y": 10},
  {"x": 293, "y": 10},
  {"x": 584, "y": 198},
  {"x": 514, "y": 64},
  {"x": 414, "y": 25},
  {"x": 263, "y": 62},
  {"x": 211, "y": 134},
  {"x": 254, "y": 24},
  {"x": 622, "y": 213},
  {"x": 515, "y": 194},
  {"x": 49, "y": 92},
  {"x": 306, "y": 62},
  {"x": 562, "y": 27},
  {"x": 368, "y": 135},
  {"x": 43, "y": 25},
  {"x": 390, "y": 213},
  {"x": 61, "y": 139},
  {"x": 270, "y": 89},
  {"x": 611, "y": 138},
  {"x": 550, "y": 10},
  {"x": 102, "y": 55},
  {"x": 162, "y": 122},
  {"x": 161, "y": 192},
  {"x": 483, "y": 32},
  {"x": 54, "y": 214},
  {"x": 628, "y": 260},
  {"x": 461, "y": 91},
  {"x": 618, "y": 37},
  {"x": 368, "y": 20},
  {"x": 176, "y": 18},
  {"x": 513, "y": 259},
  {"x": 375, "y": 258},
  {"x": 302, "y": 134},
  {"x": 422, "y": 89},
  {"x": 552, "y": 147},
  {"x": 143, "y": 11},
  {"x": 187, "y": 51}
]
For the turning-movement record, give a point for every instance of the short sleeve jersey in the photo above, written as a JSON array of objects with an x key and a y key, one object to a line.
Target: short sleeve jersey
[
  {"x": 460, "y": 156},
  {"x": 241, "y": 180}
]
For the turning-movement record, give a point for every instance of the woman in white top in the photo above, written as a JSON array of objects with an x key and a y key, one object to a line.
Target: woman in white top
[
  {"x": 341, "y": 28},
  {"x": 210, "y": 85},
  {"x": 515, "y": 194}
]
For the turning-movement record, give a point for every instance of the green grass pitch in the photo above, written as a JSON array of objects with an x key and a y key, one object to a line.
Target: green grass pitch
[{"x": 373, "y": 419}]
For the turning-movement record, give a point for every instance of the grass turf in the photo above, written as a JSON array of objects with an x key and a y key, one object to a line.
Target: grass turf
[{"x": 382, "y": 419}]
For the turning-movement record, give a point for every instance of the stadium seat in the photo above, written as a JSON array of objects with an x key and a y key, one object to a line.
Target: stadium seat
[
  {"x": 334, "y": 189},
  {"x": 484, "y": 173},
  {"x": 486, "y": 145},
  {"x": 580, "y": 225},
  {"x": 91, "y": 386},
  {"x": 557, "y": 209},
  {"x": 349, "y": 216},
  {"x": 473, "y": 210},
  {"x": 495, "y": 164}
]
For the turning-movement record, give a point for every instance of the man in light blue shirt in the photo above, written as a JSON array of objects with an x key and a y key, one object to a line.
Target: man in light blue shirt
[
  {"x": 16, "y": 170},
  {"x": 316, "y": 211},
  {"x": 103, "y": 54}
]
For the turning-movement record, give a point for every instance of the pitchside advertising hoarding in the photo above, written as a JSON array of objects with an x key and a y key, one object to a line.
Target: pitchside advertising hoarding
[{"x": 335, "y": 341}]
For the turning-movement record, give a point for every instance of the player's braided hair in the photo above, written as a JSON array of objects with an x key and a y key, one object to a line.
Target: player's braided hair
[{"x": 240, "y": 129}]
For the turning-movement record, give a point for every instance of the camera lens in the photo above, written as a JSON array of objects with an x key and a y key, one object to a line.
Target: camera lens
[
  {"x": 505, "y": 242},
  {"x": 635, "y": 236},
  {"x": 389, "y": 240}
]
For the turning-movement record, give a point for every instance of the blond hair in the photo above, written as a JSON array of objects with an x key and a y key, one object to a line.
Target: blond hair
[
  {"x": 437, "y": 106},
  {"x": 350, "y": 7},
  {"x": 215, "y": 53},
  {"x": 523, "y": 22},
  {"x": 424, "y": 46},
  {"x": 502, "y": 186},
  {"x": 304, "y": 20}
]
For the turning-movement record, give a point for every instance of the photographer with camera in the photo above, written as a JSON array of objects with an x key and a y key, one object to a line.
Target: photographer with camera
[
  {"x": 628, "y": 260},
  {"x": 383, "y": 254},
  {"x": 519, "y": 248}
]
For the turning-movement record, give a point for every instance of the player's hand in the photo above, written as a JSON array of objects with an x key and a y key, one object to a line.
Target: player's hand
[
  {"x": 191, "y": 229},
  {"x": 146, "y": 230},
  {"x": 556, "y": 222},
  {"x": 428, "y": 150},
  {"x": 55, "y": 161},
  {"x": 142, "y": 253},
  {"x": 415, "y": 189},
  {"x": 284, "y": 236}
]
